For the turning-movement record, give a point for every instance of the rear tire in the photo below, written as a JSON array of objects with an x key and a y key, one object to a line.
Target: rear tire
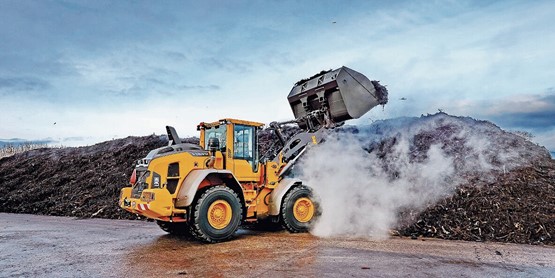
[
  {"x": 299, "y": 210},
  {"x": 216, "y": 214},
  {"x": 175, "y": 228}
]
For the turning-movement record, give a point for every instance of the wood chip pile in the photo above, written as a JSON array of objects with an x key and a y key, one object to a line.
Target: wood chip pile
[
  {"x": 81, "y": 182},
  {"x": 518, "y": 207}
]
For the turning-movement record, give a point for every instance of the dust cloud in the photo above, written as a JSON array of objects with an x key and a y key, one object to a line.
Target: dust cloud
[
  {"x": 365, "y": 177},
  {"x": 359, "y": 197}
]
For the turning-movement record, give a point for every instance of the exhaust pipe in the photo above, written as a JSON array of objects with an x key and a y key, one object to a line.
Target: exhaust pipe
[{"x": 213, "y": 145}]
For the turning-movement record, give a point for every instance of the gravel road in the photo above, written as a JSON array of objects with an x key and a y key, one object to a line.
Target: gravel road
[{"x": 48, "y": 246}]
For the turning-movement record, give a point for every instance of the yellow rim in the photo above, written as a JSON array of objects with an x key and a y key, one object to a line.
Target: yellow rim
[
  {"x": 219, "y": 214},
  {"x": 303, "y": 209}
]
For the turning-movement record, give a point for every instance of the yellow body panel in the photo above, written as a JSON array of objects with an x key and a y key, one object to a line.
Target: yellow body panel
[
  {"x": 272, "y": 174},
  {"x": 158, "y": 205},
  {"x": 243, "y": 171}
]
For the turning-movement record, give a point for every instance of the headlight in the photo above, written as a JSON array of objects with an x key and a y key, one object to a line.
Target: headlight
[{"x": 147, "y": 197}]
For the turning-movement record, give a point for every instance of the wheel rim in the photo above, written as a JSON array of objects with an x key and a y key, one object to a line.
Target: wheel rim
[
  {"x": 303, "y": 209},
  {"x": 219, "y": 214}
]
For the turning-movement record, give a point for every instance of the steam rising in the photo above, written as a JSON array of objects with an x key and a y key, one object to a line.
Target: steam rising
[
  {"x": 365, "y": 177},
  {"x": 358, "y": 197}
]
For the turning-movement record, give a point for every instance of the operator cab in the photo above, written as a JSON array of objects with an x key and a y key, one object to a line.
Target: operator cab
[{"x": 238, "y": 144}]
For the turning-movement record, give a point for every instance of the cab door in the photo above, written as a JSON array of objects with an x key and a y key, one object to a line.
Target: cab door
[{"x": 245, "y": 153}]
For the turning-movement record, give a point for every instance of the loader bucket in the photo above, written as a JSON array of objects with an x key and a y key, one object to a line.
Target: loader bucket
[{"x": 347, "y": 94}]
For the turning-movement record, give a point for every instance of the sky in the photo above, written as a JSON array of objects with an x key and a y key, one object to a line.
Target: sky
[{"x": 81, "y": 72}]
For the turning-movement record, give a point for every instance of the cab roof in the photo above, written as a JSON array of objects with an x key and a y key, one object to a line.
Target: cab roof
[{"x": 229, "y": 120}]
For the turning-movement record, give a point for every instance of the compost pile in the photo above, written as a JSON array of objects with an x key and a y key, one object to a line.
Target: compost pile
[
  {"x": 518, "y": 207},
  {"x": 81, "y": 182},
  {"x": 513, "y": 202},
  {"x": 505, "y": 184}
]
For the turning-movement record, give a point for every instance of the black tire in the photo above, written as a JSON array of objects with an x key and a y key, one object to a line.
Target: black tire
[
  {"x": 201, "y": 227},
  {"x": 175, "y": 228},
  {"x": 288, "y": 219}
]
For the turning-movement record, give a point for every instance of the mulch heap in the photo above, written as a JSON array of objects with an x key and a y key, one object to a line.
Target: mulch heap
[
  {"x": 81, "y": 182},
  {"x": 506, "y": 183},
  {"x": 517, "y": 205}
]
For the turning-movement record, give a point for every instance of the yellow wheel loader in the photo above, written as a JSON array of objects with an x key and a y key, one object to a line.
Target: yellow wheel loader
[{"x": 209, "y": 190}]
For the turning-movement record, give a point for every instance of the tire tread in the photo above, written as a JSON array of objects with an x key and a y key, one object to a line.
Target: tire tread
[{"x": 196, "y": 230}]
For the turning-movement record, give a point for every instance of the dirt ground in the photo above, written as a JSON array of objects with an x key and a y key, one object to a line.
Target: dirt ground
[{"x": 34, "y": 245}]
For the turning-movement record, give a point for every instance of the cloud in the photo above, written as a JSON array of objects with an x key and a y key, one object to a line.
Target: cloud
[
  {"x": 546, "y": 139},
  {"x": 75, "y": 138},
  {"x": 12, "y": 84},
  {"x": 539, "y": 121},
  {"x": 176, "y": 55},
  {"x": 534, "y": 113},
  {"x": 227, "y": 64},
  {"x": 523, "y": 111},
  {"x": 211, "y": 87},
  {"x": 96, "y": 56}
]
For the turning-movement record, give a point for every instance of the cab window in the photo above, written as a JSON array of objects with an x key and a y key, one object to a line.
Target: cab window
[
  {"x": 244, "y": 144},
  {"x": 217, "y": 132}
]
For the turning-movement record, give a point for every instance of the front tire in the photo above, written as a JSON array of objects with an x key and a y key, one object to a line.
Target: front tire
[
  {"x": 299, "y": 210},
  {"x": 216, "y": 214}
]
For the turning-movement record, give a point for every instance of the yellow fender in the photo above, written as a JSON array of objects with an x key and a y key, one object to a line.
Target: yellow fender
[
  {"x": 193, "y": 181},
  {"x": 278, "y": 194}
]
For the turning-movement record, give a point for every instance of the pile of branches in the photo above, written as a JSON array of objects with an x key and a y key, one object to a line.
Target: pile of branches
[
  {"x": 518, "y": 207},
  {"x": 81, "y": 182}
]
